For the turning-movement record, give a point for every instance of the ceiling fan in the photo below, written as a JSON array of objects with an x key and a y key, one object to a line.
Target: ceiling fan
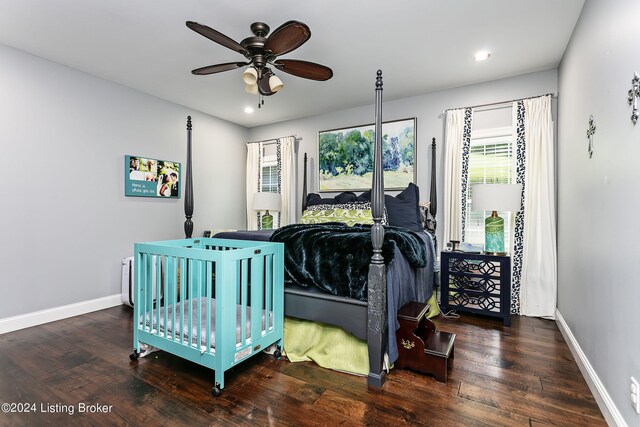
[{"x": 262, "y": 50}]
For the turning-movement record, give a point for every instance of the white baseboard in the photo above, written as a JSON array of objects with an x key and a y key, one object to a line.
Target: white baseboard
[
  {"x": 609, "y": 409},
  {"x": 28, "y": 320}
]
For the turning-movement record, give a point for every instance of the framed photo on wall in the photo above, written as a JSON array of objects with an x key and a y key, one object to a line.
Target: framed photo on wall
[
  {"x": 345, "y": 156},
  {"x": 146, "y": 177}
]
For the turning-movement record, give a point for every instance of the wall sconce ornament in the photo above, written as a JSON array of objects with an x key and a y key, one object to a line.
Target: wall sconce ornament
[
  {"x": 590, "y": 131},
  {"x": 634, "y": 92}
]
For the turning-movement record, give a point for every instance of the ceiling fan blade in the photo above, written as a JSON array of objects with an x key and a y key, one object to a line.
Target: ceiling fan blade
[
  {"x": 304, "y": 69},
  {"x": 217, "y": 37},
  {"x": 287, "y": 37},
  {"x": 218, "y": 68}
]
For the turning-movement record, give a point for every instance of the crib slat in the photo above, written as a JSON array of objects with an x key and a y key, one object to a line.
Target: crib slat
[
  {"x": 183, "y": 290},
  {"x": 198, "y": 298},
  {"x": 190, "y": 299},
  {"x": 243, "y": 301},
  {"x": 257, "y": 296},
  {"x": 208, "y": 274},
  {"x": 149, "y": 286},
  {"x": 170, "y": 299},
  {"x": 158, "y": 287},
  {"x": 268, "y": 289},
  {"x": 164, "y": 277}
]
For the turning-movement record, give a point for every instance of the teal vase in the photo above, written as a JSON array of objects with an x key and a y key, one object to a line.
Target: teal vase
[{"x": 494, "y": 234}]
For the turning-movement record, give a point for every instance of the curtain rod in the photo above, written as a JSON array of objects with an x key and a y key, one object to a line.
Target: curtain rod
[
  {"x": 272, "y": 140},
  {"x": 553, "y": 95}
]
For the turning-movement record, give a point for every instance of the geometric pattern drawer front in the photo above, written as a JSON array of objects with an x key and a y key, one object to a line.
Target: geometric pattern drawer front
[
  {"x": 485, "y": 268},
  {"x": 475, "y": 292},
  {"x": 475, "y": 284}
]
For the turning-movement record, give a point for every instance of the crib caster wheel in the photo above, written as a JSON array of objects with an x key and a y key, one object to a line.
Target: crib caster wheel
[
  {"x": 216, "y": 391},
  {"x": 277, "y": 354},
  {"x": 134, "y": 356}
]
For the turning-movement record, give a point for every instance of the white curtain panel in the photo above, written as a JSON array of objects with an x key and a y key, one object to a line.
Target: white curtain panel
[
  {"x": 254, "y": 156},
  {"x": 538, "y": 288},
  {"x": 288, "y": 182},
  {"x": 453, "y": 172}
]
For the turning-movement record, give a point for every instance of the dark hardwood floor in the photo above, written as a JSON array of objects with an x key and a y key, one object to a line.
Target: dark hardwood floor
[{"x": 519, "y": 375}]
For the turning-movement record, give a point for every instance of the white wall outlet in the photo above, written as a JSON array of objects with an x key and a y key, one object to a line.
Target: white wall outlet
[{"x": 635, "y": 395}]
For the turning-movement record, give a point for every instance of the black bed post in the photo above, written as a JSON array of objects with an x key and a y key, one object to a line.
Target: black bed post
[
  {"x": 433, "y": 199},
  {"x": 304, "y": 184},
  {"x": 377, "y": 283},
  {"x": 433, "y": 196},
  {"x": 188, "y": 187}
]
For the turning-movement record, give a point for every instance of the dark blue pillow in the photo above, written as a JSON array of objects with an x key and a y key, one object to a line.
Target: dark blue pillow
[
  {"x": 364, "y": 197},
  {"x": 342, "y": 198},
  {"x": 403, "y": 209},
  {"x": 345, "y": 197}
]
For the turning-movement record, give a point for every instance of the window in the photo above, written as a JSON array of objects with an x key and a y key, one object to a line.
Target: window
[
  {"x": 491, "y": 161},
  {"x": 269, "y": 181}
]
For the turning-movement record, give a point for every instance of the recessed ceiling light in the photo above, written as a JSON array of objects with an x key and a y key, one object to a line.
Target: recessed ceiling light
[
  {"x": 482, "y": 55},
  {"x": 248, "y": 110}
]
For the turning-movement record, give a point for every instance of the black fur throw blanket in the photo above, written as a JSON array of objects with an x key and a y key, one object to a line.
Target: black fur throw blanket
[{"x": 335, "y": 257}]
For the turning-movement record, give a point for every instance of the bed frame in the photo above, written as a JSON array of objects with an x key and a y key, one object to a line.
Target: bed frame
[{"x": 365, "y": 319}]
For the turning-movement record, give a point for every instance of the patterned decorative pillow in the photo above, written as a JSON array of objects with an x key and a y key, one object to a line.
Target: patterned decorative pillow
[
  {"x": 427, "y": 220},
  {"x": 424, "y": 213},
  {"x": 346, "y": 216},
  {"x": 359, "y": 210}
]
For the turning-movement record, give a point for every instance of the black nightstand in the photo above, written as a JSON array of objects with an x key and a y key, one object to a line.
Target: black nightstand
[{"x": 476, "y": 283}]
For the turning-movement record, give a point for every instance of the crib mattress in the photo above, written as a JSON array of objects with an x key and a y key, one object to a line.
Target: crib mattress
[{"x": 183, "y": 309}]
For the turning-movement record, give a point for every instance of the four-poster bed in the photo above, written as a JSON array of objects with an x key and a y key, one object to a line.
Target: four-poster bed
[{"x": 369, "y": 319}]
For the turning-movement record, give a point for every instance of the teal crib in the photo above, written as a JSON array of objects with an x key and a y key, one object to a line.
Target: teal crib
[{"x": 221, "y": 301}]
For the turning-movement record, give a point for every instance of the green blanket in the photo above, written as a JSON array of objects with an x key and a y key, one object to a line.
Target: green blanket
[{"x": 330, "y": 346}]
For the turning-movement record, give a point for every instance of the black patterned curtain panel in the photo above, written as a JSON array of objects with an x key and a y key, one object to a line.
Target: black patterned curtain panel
[
  {"x": 464, "y": 184},
  {"x": 518, "y": 240}
]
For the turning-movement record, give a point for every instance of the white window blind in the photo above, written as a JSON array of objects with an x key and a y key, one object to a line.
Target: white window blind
[
  {"x": 269, "y": 179},
  {"x": 491, "y": 161}
]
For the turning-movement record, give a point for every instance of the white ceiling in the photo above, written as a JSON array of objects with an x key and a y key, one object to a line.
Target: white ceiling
[{"x": 421, "y": 46}]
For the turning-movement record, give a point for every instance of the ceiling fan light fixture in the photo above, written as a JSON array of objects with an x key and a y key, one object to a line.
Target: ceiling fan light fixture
[
  {"x": 252, "y": 89},
  {"x": 275, "y": 84},
  {"x": 250, "y": 76}
]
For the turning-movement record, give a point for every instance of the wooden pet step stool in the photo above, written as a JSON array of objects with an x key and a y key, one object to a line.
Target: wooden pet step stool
[{"x": 420, "y": 346}]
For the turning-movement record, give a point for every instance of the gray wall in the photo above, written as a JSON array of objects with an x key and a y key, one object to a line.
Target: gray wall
[
  {"x": 598, "y": 227},
  {"x": 430, "y": 121},
  {"x": 65, "y": 222}
]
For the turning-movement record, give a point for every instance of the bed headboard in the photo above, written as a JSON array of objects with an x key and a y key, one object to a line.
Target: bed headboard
[{"x": 433, "y": 196}]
